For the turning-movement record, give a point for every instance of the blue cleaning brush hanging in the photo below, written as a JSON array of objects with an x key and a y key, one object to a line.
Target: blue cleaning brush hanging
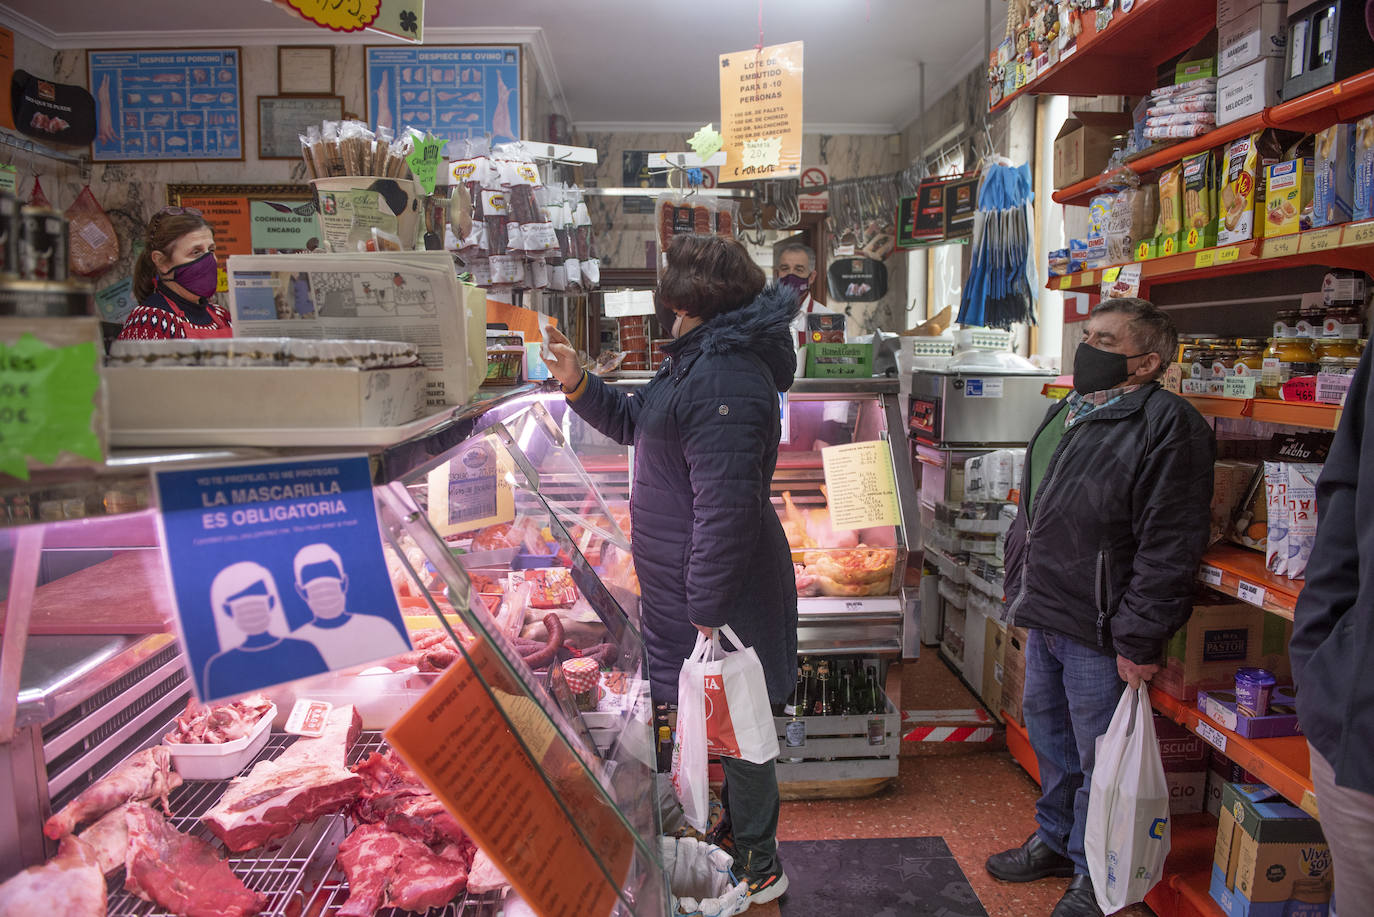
[{"x": 1001, "y": 287}]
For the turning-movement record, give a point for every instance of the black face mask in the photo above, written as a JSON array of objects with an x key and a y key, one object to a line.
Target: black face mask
[{"x": 1097, "y": 370}]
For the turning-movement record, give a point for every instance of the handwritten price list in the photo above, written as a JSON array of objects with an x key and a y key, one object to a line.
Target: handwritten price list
[{"x": 862, "y": 488}]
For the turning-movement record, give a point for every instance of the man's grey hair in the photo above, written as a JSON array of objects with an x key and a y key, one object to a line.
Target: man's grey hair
[
  {"x": 799, "y": 247},
  {"x": 1151, "y": 327}
]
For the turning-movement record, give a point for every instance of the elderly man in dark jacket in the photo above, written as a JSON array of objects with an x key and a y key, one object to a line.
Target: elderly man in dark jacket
[
  {"x": 708, "y": 545},
  {"x": 1333, "y": 642},
  {"x": 1100, "y": 566}
]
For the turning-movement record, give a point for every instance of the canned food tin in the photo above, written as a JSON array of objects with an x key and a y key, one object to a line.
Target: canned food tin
[
  {"x": 36, "y": 299},
  {"x": 9, "y": 235},
  {"x": 42, "y": 244}
]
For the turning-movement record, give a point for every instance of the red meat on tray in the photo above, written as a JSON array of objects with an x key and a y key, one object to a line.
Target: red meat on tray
[{"x": 386, "y": 869}]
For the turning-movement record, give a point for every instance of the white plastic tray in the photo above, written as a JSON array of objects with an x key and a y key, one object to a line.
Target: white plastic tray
[{"x": 221, "y": 760}]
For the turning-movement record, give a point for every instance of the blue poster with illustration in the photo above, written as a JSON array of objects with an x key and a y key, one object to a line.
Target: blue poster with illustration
[
  {"x": 277, "y": 572},
  {"x": 453, "y": 92}
]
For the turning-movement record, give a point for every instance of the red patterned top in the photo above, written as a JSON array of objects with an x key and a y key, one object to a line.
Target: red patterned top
[{"x": 164, "y": 315}]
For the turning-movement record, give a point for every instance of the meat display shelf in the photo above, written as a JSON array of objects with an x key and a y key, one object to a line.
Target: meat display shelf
[
  {"x": 1342, "y": 101},
  {"x": 1242, "y": 574},
  {"x": 1265, "y": 410},
  {"x": 1349, "y": 245},
  {"x": 1184, "y": 888},
  {"x": 1281, "y": 763},
  {"x": 1122, "y": 57},
  {"x": 299, "y": 869}
]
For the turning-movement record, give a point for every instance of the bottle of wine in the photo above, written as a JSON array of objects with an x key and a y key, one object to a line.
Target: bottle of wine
[
  {"x": 790, "y": 708},
  {"x": 825, "y": 691},
  {"x": 848, "y": 701},
  {"x": 876, "y": 704}
]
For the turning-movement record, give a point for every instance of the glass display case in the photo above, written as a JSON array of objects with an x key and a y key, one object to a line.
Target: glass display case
[{"x": 511, "y": 563}]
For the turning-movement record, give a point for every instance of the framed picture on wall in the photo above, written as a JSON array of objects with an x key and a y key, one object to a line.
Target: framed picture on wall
[
  {"x": 305, "y": 70},
  {"x": 282, "y": 120},
  {"x": 167, "y": 105},
  {"x": 455, "y": 92}
]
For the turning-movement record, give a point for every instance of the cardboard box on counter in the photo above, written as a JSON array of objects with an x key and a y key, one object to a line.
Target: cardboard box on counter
[
  {"x": 1084, "y": 144},
  {"x": 151, "y": 398},
  {"x": 830, "y": 360},
  {"x": 1249, "y": 90},
  {"x": 1014, "y": 673},
  {"x": 1229, "y": 11},
  {"x": 1184, "y": 756},
  {"x": 1257, "y": 33},
  {"x": 1282, "y": 719},
  {"x": 1205, "y": 653},
  {"x": 1269, "y": 856}
]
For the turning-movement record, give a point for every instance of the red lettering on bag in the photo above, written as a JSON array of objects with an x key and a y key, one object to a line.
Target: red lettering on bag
[{"x": 720, "y": 729}]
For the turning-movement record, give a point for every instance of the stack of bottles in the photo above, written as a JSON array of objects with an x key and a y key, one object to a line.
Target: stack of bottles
[{"x": 830, "y": 686}]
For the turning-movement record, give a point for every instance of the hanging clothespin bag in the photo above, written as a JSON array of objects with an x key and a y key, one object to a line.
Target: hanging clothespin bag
[{"x": 52, "y": 112}]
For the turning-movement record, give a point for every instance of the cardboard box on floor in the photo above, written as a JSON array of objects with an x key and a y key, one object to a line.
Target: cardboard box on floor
[
  {"x": 1271, "y": 859},
  {"x": 994, "y": 663},
  {"x": 1014, "y": 673},
  {"x": 1084, "y": 144}
]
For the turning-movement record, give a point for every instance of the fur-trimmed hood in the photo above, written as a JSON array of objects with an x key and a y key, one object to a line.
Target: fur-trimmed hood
[{"x": 764, "y": 328}]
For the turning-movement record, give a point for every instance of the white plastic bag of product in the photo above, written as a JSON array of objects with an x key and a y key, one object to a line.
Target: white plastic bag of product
[
  {"x": 1301, "y": 506},
  {"x": 701, "y": 878},
  {"x": 1275, "y": 496},
  {"x": 739, "y": 719},
  {"x": 689, "y": 776},
  {"x": 1127, "y": 832}
]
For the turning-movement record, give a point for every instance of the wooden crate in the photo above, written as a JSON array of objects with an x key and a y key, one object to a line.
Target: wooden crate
[{"x": 837, "y": 750}]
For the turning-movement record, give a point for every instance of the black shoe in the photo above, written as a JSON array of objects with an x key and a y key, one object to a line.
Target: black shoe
[
  {"x": 1032, "y": 860},
  {"x": 722, "y": 835},
  {"x": 1078, "y": 901}
]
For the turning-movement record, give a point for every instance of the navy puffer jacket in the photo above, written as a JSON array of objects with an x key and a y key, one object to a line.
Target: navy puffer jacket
[{"x": 708, "y": 545}]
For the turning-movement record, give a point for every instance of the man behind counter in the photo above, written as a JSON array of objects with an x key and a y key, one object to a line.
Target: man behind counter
[{"x": 794, "y": 266}]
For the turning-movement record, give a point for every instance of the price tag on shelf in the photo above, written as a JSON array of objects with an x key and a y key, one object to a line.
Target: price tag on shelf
[
  {"x": 1228, "y": 254},
  {"x": 1110, "y": 274},
  {"x": 1249, "y": 592},
  {"x": 1332, "y": 387},
  {"x": 1205, "y": 258},
  {"x": 1211, "y": 735},
  {"x": 1240, "y": 387},
  {"x": 1281, "y": 246},
  {"x": 1066, "y": 282},
  {"x": 1319, "y": 240},
  {"x": 1089, "y": 277},
  {"x": 1309, "y": 803},
  {"x": 1359, "y": 233},
  {"x": 1209, "y": 574}
]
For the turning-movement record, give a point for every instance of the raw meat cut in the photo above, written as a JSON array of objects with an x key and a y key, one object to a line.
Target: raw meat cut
[
  {"x": 201, "y": 725},
  {"x": 386, "y": 869},
  {"x": 108, "y": 838},
  {"x": 309, "y": 779},
  {"x": 484, "y": 876},
  {"x": 70, "y": 884},
  {"x": 181, "y": 873},
  {"x": 395, "y": 798},
  {"x": 146, "y": 775}
]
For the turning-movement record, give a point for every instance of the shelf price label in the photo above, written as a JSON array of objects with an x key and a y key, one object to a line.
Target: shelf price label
[
  {"x": 1066, "y": 282},
  {"x": 1249, "y": 592},
  {"x": 1228, "y": 254},
  {"x": 1281, "y": 247},
  {"x": 1319, "y": 240},
  {"x": 1205, "y": 258},
  {"x": 1359, "y": 233},
  {"x": 1211, "y": 735},
  {"x": 1209, "y": 575},
  {"x": 1240, "y": 387}
]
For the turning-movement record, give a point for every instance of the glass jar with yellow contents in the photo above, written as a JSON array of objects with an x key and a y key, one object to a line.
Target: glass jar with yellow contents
[
  {"x": 1249, "y": 357},
  {"x": 1286, "y": 357},
  {"x": 1338, "y": 347}
]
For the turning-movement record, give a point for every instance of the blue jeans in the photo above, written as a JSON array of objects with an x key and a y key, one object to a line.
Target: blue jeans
[{"x": 1071, "y": 693}]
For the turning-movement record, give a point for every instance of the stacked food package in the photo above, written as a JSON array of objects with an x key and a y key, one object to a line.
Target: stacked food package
[{"x": 1182, "y": 111}]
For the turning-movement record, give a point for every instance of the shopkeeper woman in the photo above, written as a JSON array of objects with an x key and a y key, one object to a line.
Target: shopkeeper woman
[
  {"x": 173, "y": 279},
  {"x": 708, "y": 546}
]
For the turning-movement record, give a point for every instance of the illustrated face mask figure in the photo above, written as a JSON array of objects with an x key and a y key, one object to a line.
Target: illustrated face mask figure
[
  {"x": 252, "y": 613},
  {"x": 326, "y": 597},
  {"x": 200, "y": 277}
]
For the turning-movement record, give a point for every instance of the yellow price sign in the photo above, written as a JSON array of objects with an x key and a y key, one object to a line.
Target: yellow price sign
[
  {"x": 1359, "y": 234},
  {"x": 1319, "y": 240},
  {"x": 1228, "y": 254},
  {"x": 1281, "y": 247},
  {"x": 353, "y": 16},
  {"x": 1065, "y": 282},
  {"x": 1205, "y": 258},
  {"x": 1110, "y": 274}
]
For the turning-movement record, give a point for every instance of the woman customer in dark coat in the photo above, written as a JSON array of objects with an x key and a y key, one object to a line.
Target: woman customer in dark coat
[{"x": 708, "y": 545}]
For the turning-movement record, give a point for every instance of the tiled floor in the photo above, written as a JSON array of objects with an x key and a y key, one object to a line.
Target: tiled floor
[{"x": 980, "y": 801}]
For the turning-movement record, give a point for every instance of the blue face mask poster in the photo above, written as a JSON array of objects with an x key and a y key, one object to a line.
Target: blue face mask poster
[{"x": 277, "y": 572}]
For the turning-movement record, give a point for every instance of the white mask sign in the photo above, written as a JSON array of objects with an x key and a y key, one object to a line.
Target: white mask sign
[{"x": 277, "y": 572}]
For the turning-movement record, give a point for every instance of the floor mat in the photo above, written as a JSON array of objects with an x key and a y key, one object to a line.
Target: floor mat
[{"x": 875, "y": 877}]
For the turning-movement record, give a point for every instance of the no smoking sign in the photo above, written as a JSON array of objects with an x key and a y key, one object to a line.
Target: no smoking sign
[{"x": 814, "y": 201}]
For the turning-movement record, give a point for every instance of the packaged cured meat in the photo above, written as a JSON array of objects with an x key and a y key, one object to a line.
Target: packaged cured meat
[
  {"x": 93, "y": 247},
  {"x": 551, "y": 587}
]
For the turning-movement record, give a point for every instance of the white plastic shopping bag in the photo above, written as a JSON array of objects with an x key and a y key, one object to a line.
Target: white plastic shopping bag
[
  {"x": 1127, "y": 833},
  {"x": 690, "y": 782},
  {"x": 701, "y": 879},
  {"x": 739, "y": 719}
]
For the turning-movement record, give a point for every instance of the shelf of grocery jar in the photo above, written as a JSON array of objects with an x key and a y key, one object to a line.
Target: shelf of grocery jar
[
  {"x": 1267, "y": 410},
  {"x": 1242, "y": 574},
  {"x": 1341, "y": 101},
  {"x": 1121, "y": 58},
  {"x": 1184, "y": 888},
  {"x": 1281, "y": 763},
  {"x": 1348, "y": 245}
]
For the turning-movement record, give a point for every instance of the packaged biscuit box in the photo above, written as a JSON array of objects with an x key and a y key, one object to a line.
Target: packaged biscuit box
[
  {"x": 1333, "y": 180},
  {"x": 1364, "y": 169},
  {"x": 1170, "y": 210},
  {"x": 1242, "y": 181},
  {"x": 1287, "y": 192},
  {"x": 1199, "y": 228}
]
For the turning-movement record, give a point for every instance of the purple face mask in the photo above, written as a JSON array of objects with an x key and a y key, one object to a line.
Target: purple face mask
[
  {"x": 199, "y": 277},
  {"x": 795, "y": 283}
]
